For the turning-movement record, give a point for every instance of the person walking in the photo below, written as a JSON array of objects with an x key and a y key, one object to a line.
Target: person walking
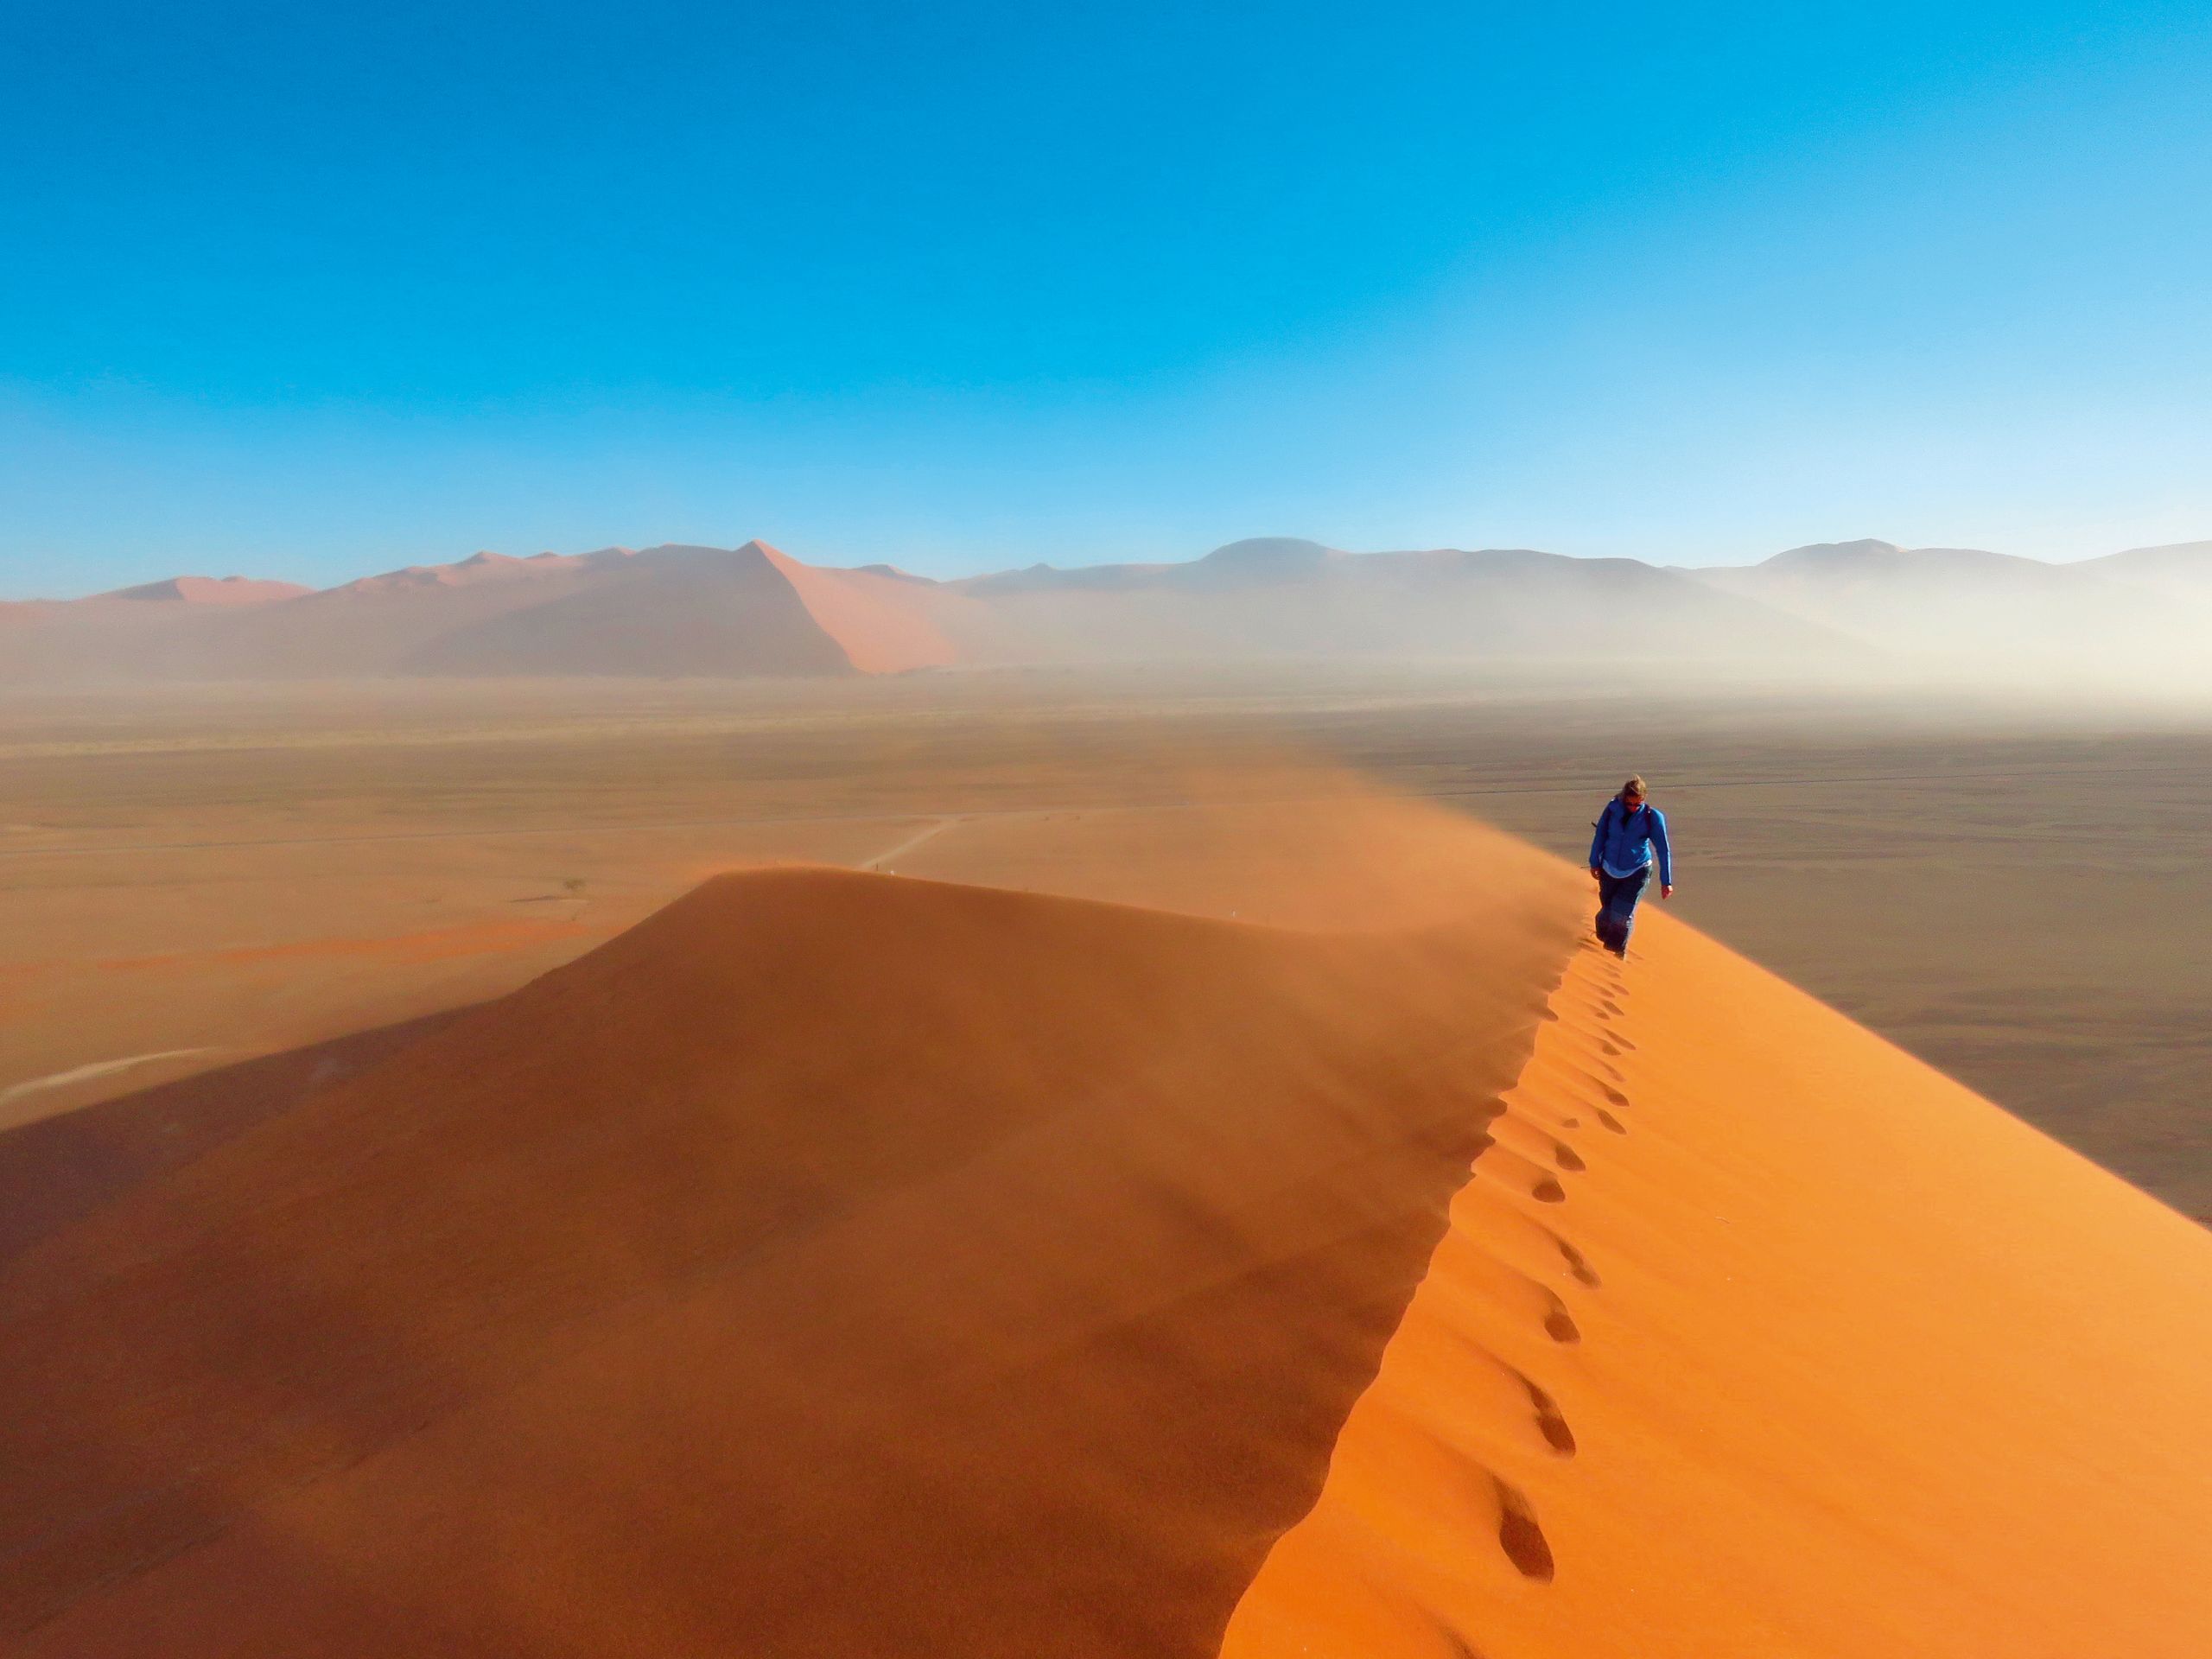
[{"x": 1629, "y": 832}]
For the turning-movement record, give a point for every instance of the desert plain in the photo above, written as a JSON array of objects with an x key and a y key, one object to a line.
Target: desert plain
[{"x": 2013, "y": 890}]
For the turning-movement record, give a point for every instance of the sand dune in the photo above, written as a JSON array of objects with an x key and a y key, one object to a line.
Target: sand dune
[
  {"x": 833, "y": 1264},
  {"x": 677, "y": 611},
  {"x": 89, "y": 1071},
  {"x": 839, "y": 1263},
  {"x": 886, "y": 622},
  {"x": 481, "y": 568},
  {"x": 664, "y": 611},
  {"x": 210, "y": 590},
  {"x": 55, "y": 1170},
  {"x": 1858, "y": 1364}
]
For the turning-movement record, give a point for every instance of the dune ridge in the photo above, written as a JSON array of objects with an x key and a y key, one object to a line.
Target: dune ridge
[{"x": 1852, "y": 1362}]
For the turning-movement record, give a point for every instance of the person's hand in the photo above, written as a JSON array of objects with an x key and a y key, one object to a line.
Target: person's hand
[
  {"x": 1593, "y": 872},
  {"x": 1666, "y": 889}
]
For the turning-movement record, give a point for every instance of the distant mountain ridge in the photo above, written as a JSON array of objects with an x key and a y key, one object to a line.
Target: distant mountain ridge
[
  {"x": 752, "y": 610},
  {"x": 2179, "y": 567},
  {"x": 211, "y": 590},
  {"x": 1970, "y": 606}
]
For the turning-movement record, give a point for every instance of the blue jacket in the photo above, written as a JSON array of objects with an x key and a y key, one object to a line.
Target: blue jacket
[{"x": 1624, "y": 841}]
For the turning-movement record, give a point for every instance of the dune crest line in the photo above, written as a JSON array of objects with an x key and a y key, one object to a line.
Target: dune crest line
[
  {"x": 1824, "y": 1301},
  {"x": 94, "y": 1068}
]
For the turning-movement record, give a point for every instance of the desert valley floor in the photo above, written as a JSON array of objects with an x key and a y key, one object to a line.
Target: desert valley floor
[{"x": 197, "y": 877}]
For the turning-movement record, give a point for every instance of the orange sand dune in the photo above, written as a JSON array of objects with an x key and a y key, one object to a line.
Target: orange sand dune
[
  {"x": 886, "y": 624},
  {"x": 53, "y": 1169},
  {"x": 840, "y": 1264},
  {"x": 833, "y": 1264},
  {"x": 1857, "y": 1365}
]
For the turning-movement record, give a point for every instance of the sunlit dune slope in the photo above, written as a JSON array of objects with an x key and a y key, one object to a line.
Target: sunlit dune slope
[
  {"x": 833, "y": 1264},
  {"x": 1852, "y": 1364},
  {"x": 885, "y": 623}
]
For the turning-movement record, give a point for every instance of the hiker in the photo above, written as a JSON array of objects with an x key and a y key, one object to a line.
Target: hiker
[{"x": 1629, "y": 831}]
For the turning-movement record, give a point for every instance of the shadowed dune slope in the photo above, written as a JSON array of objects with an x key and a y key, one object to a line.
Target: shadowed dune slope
[
  {"x": 833, "y": 1264},
  {"x": 211, "y": 590},
  {"x": 53, "y": 1169},
  {"x": 1845, "y": 1362},
  {"x": 678, "y": 610}
]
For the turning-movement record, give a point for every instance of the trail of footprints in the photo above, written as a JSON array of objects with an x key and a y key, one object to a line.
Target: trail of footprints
[{"x": 1520, "y": 1535}]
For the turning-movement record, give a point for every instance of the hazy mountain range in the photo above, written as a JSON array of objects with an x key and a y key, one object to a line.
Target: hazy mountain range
[{"x": 1842, "y": 608}]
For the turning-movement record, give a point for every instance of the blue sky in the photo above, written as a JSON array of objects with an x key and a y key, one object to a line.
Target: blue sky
[{"x": 306, "y": 290}]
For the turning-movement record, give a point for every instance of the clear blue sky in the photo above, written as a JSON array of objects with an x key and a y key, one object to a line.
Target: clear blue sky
[{"x": 303, "y": 289}]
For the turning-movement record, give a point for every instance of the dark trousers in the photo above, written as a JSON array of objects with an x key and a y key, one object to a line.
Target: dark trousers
[{"x": 1616, "y": 897}]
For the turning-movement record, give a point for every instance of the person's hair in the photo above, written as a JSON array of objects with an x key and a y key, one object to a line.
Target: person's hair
[{"x": 1634, "y": 787}]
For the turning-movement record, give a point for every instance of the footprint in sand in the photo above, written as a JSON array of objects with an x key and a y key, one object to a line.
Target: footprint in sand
[
  {"x": 1519, "y": 1536},
  {"x": 1568, "y": 1158},
  {"x": 1559, "y": 1324},
  {"x": 1611, "y": 1121},
  {"x": 1577, "y": 1263},
  {"x": 1616, "y": 1096},
  {"x": 1550, "y": 1421},
  {"x": 1548, "y": 1191}
]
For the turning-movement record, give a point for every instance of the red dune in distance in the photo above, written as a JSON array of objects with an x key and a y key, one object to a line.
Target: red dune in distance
[
  {"x": 841, "y": 1264},
  {"x": 482, "y": 568},
  {"x": 885, "y": 623},
  {"x": 678, "y": 610},
  {"x": 211, "y": 590},
  {"x": 660, "y": 611}
]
